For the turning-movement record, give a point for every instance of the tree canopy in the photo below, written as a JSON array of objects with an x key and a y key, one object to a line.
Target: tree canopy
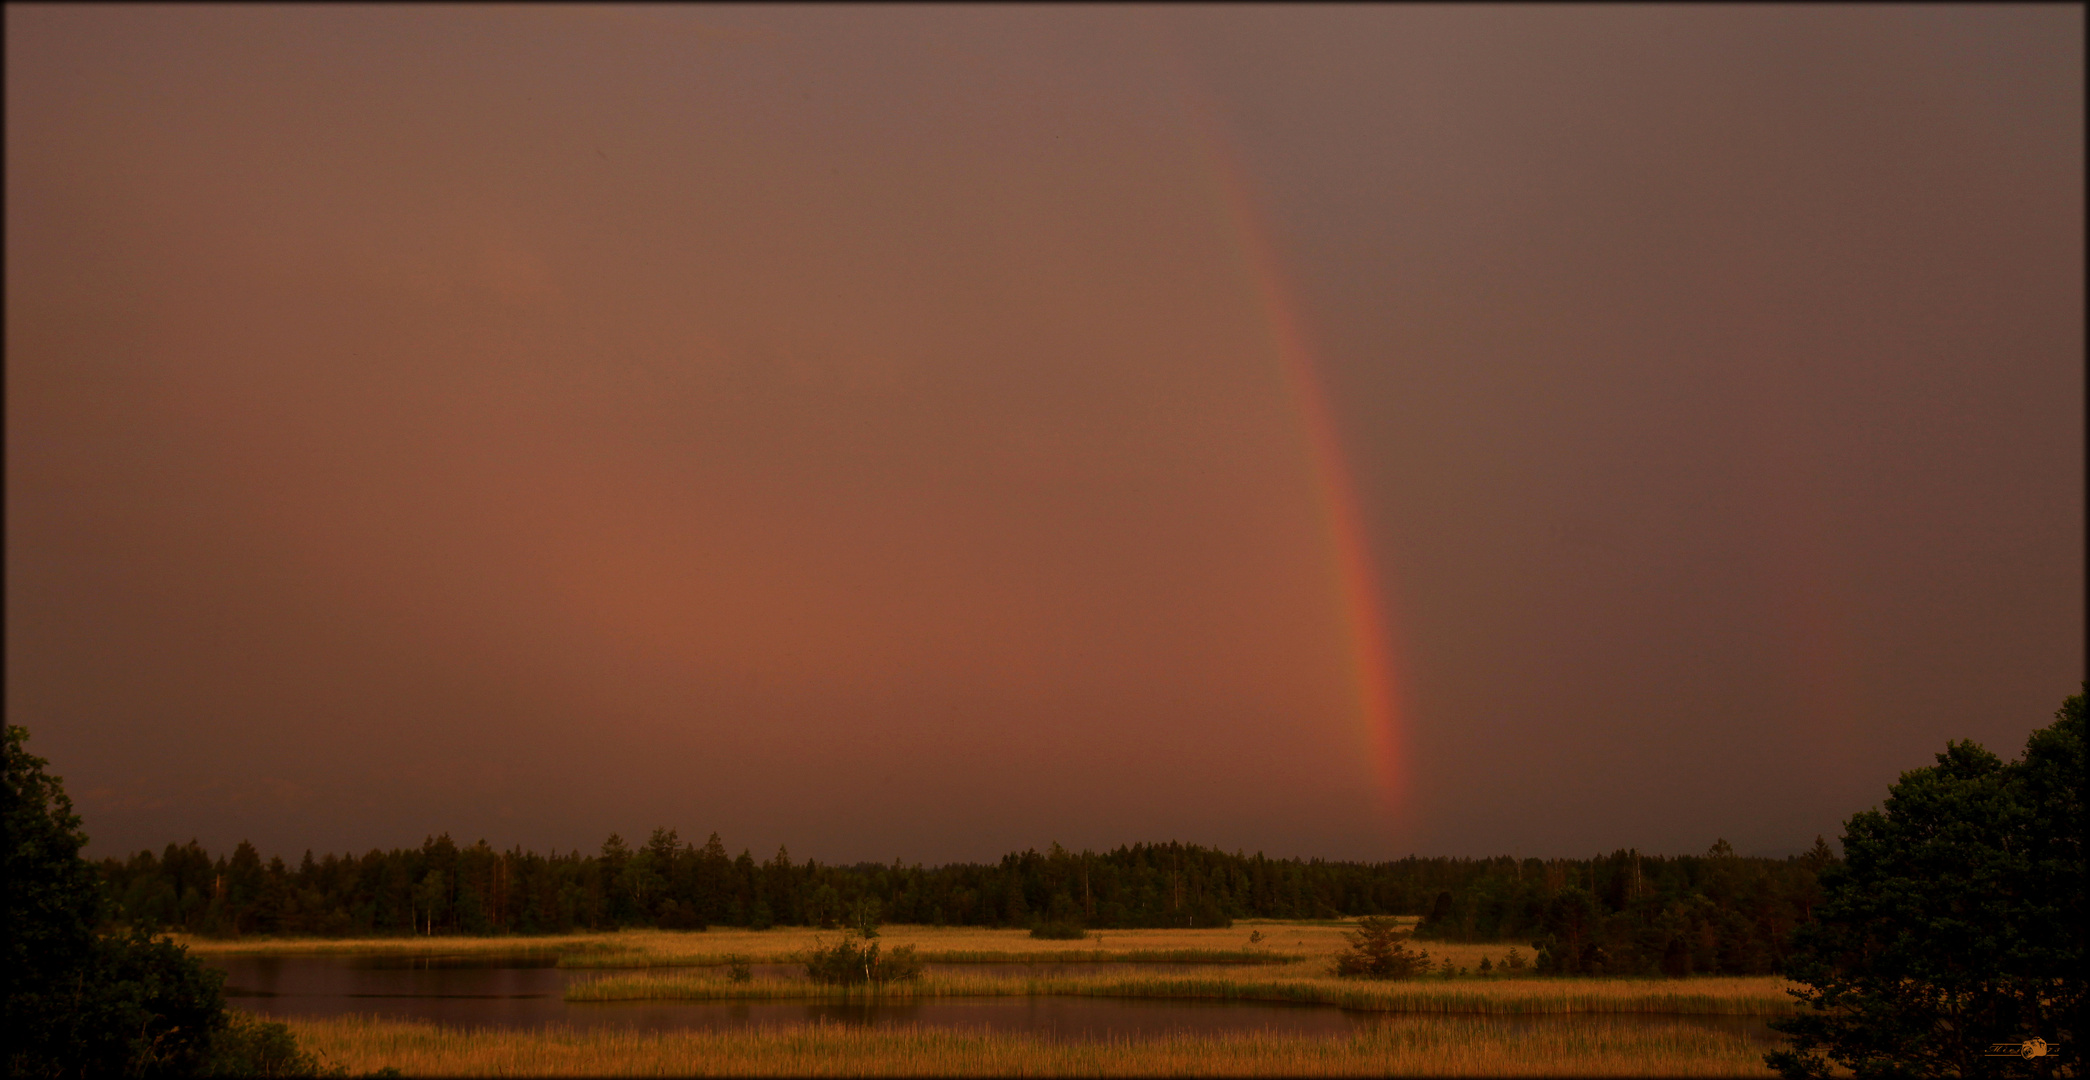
[
  {"x": 1954, "y": 923},
  {"x": 79, "y": 1002}
]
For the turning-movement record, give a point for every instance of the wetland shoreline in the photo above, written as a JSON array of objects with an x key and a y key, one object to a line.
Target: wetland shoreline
[{"x": 1458, "y": 1025}]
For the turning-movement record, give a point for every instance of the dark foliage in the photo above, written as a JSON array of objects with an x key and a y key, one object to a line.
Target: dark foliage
[
  {"x": 52, "y": 903},
  {"x": 249, "y": 1046},
  {"x": 855, "y": 962},
  {"x": 84, "y": 1003},
  {"x": 865, "y": 915},
  {"x": 1062, "y": 930},
  {"x": 143, "y": 1007},
  {"x": 1376, "y": 952},
  {"x": 1634, "y": 914},
  {"x": 1956, "y": 921},
  {"x": 1728, "y": 914}
]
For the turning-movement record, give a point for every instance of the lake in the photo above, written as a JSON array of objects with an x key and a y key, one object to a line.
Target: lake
[{"x": 529, "y": 992}]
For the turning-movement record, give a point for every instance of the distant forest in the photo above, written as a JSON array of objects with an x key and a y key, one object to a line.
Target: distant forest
[{"x": 1625, "y": 913}]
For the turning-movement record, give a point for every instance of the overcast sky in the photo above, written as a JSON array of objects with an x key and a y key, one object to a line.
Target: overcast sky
[{"x": 933, "y": 432}]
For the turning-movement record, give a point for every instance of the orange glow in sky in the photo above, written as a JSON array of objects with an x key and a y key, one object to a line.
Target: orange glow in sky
[{"x": 934, "y": 432}]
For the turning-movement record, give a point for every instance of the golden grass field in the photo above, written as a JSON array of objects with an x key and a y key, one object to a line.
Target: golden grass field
[
  {"x": 675, "y": 948},
  {"x": 1418, "y": 1046},
  {"x": 1289, "y": 963},
  {"x": 1314, "y": 942},
  {"x": 1461, "y": 1025},
  {"x": 1709, "y": 996}
]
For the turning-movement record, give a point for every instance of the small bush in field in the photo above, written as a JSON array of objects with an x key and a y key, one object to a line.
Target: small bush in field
[
  {"x": 1376, "y": 953},
  {"x": 850, "y": 963},
  {"x": 251, "y": 1046}
]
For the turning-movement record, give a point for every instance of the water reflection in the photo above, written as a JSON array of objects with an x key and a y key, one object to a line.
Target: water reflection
[
  {"x": 462, "y": 960},
  {"x": 527, "y": 992}
]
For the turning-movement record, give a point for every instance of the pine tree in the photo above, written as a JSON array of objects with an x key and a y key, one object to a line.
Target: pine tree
[{"x": 1376, "y": 952}]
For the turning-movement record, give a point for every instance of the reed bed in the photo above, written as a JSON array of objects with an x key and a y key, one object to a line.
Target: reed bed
[
  {"x": 958, "y": 945},
  {"x": 954, "y": 945},
  {"x": 1287, "y": 948},
  {"x": 1420, "y": 1046},
  {"x": 620, "y": 959},
  {"x": 558, "y": 945},
  {"x": 1714, "y": 996}
]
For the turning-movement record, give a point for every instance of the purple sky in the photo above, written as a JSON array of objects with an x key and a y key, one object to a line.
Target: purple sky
[{"x": 861, "y": 429}]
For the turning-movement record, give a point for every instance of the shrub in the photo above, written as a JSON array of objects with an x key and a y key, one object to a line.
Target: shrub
[
  {"x": 1059, "y": 931},
  {"x": 139, "y": 1005},
  {"x": 851, "y": 963},
  {"x": 251, "y": 1046},
  {"x": 1376, "y": 953}
]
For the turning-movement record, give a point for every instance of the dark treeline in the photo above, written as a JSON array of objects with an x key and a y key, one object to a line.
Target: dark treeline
[
  {"x": 1633, "y": 914},
  {"x": 1623, "y": 913}
]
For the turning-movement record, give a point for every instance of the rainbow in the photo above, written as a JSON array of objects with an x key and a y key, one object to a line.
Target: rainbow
[{"x": 1373, "y": 644}]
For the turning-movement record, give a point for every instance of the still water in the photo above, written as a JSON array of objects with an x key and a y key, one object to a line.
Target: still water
[{"x": 529, "y": 992}]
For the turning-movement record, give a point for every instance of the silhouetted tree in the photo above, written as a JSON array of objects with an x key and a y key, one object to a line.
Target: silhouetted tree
[
  {"x": 1955, "y": 922},
  {"x": 80, "y": 1003}
]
